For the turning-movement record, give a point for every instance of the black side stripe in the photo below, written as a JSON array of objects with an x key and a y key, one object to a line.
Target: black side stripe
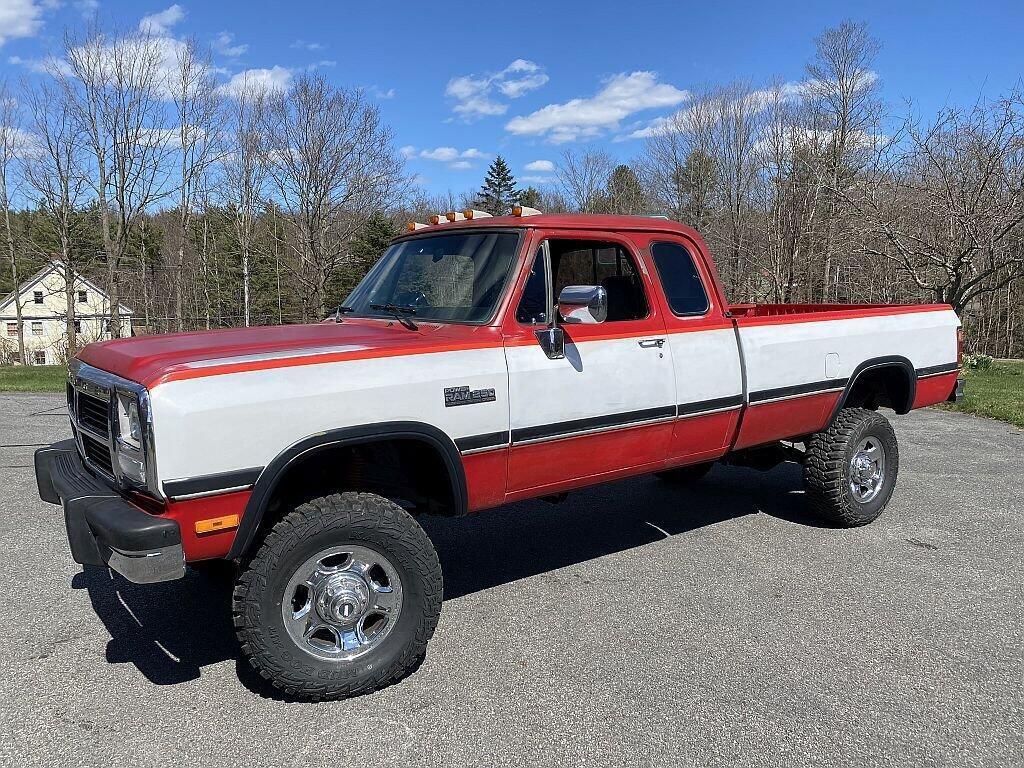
[
  {"x": 221, "y": 481},
  {"x": 798, "y": 389},
  {"x": 478, "y": 442},
  {"x": 718, "y": 403},
  {"x": 595, "y": 422},
  {"x": 931, "y": 370}
]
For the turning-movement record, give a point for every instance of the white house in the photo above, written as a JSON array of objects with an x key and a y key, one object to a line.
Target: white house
[{"x": 44, "y": 312}]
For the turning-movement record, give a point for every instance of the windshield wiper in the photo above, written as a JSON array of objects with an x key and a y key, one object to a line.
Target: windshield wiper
[{"x": 399, "y": 313}]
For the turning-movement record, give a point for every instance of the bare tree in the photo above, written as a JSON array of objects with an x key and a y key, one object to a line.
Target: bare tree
[
  {"x": 843, "y": 92},
  {"x": 581, "y": 177},
  {"x": 197, "y": 110},
  {"x": 11, "y": 139},
  {"x": 245, "y": 175},
  {"x": 115, "y": 85},
  {"x": 332, "y": 163},
  {"x": 947, "y": 201},
  {"x": 54, "y": 171}
]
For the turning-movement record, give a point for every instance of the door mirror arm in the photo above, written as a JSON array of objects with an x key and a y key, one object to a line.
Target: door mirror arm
[{"x": 551, "y": 338}]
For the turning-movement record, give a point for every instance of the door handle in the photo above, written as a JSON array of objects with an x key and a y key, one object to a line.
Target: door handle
[{"x": 645, "y": 343}]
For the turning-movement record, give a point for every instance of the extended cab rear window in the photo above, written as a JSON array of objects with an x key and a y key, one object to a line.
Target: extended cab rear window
[{"x": 680, "y": 279}]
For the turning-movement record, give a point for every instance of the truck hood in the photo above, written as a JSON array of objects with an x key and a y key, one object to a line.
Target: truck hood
[{"x": 152, "y": 360}]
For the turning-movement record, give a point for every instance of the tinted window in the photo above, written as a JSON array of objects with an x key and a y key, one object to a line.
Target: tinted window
[{"x": 680, "y": 279}]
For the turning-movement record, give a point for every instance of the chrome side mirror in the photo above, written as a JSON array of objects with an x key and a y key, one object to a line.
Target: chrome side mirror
[
  {"x": 587, "y": 304},
  {"x": 552, "y": 341}
]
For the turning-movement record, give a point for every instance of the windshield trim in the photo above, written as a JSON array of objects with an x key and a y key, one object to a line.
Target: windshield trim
[{"x": 492, "y": 319}]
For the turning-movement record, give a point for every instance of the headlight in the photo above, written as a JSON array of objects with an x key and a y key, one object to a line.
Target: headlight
[
  {"x": 130, "y": 455},
  {"x": 129, "y": 427}
]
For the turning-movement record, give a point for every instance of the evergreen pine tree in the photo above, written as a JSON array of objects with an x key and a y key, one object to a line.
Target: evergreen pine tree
[{"x": 499, "y": 193}]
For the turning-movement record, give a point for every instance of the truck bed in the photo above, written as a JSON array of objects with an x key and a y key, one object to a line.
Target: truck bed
[{"x": 797, "y": 312}]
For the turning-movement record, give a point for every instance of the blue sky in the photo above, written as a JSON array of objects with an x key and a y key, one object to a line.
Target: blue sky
[{"x": 463, "y": 82}]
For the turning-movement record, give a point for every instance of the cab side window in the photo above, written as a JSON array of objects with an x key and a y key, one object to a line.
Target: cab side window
[
  {"x": 533, "y": 305},
  {"x": 591, "y": 262},
  {"x": 680, "y": 279}
]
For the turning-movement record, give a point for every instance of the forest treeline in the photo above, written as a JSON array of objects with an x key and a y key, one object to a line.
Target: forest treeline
[{"x": 200, "y": 206}]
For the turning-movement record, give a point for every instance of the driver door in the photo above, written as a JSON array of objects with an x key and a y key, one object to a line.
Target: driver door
[{"x": 605, "y": 409}]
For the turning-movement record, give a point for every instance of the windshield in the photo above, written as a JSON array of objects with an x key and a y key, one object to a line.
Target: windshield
[{"x": 455, "y": 277}]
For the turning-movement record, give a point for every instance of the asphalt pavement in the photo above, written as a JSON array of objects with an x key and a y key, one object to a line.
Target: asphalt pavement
[{"x": 634, "y": 624}]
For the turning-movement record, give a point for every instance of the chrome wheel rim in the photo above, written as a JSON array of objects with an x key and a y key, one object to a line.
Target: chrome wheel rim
[
  {"x": 867, "y": 470},
  {"x": 342, "y": 602}
]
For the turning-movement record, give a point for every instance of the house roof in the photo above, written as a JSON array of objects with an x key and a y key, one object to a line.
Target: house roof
[{"x": 51, "y": 266}]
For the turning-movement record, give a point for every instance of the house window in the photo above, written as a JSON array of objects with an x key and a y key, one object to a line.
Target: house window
[
  {"x": 37, "y": 328},
  {"x": 12, "y": 330},
  {"x": 37, "y": 297},
  {"x": 40, "y": 357},
  {"x": 78, "y": 326},
  {"x": 83, "y": 297}
]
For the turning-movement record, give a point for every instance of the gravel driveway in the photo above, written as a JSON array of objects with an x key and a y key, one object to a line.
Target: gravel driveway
[{"x": 634, "y": 624}]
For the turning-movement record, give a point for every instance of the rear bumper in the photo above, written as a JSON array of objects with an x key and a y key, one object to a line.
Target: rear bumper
[
  {"x": 103, "y": 527},
  {"x": 958, "y": 392}
]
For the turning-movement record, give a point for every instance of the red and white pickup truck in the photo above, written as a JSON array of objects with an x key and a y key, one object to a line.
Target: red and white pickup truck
[{"x": 481, "y": 361}]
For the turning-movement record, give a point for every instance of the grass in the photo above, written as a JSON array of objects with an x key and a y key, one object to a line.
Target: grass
[
  {"x": 33, "y": 378},
  {"x": 996, "y": 392}
]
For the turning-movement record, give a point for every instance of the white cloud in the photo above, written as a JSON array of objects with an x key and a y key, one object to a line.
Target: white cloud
[
  {"x": 761, "y": 99},
  {"x": 621, "y": 96},
  {"x": 271, "y": 80},
  {"x": 321, "y": 64},
  {"x": 222, "y": 44},
  {"x": 455, "y": 159},
  {"x": 86, "y": 7},
  {"x": 41, "y": 66},
  {"x": 160, "y": 23},
  {"x": 441, "y": 154},
  {"x": 19, "y": 18},
  {"x": 540, "y": 166},
  {"x": 379, "y": 93},
  {"x": 307, "y": 46},
  {"x": 24, "y": 144},
  {"x": 472, "y": 93}
]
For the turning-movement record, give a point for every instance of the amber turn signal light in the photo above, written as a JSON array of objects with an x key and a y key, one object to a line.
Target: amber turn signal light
[{"x": 212, "y": 524}]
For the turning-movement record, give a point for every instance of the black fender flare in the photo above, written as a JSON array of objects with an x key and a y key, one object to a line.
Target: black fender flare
[
  {"x": 263, "y": 489},
  {"x": 874, "y": 363}
]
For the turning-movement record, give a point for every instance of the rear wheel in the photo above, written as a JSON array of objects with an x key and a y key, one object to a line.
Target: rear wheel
[
  {"x": 686, "y": 475},
  {"x": 340, "y": 599},
  {"x": 850, "y": 468}
]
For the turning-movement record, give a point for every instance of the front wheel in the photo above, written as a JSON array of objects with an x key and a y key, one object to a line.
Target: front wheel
[
  {"x": 850, "y": 468},
  {"x": 340, "y": 599}
]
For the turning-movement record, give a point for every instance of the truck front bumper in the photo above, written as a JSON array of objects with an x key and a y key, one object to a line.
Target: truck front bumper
[{"x": 103, "y": 527}]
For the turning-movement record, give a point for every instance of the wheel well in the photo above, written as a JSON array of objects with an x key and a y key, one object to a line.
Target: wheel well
[
  {"x": 415, "y": 468},
  {"x": 889, "y": 386}
]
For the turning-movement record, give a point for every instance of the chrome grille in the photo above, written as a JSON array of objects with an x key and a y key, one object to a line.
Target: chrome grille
[{"x": 94, "y": 414}]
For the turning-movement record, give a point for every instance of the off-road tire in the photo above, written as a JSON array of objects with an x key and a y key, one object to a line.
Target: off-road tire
[
  {"x": 344, "y": 518},
  {"x": 686, "y": 475},
  {"x": 827, "y": 466}
]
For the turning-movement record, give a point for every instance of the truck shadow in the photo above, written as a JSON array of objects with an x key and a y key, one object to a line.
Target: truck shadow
[{"x": 171, "y": 631}]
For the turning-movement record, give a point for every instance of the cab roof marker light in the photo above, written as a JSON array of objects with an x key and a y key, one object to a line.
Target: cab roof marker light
[
  {"x": 412, "y": 226},
  {"x": 455, "y": 216},
  {"x": 473, "y": 213},
  {"x": 522, "y": 210},
  {"x": 438, "y": 218}
]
